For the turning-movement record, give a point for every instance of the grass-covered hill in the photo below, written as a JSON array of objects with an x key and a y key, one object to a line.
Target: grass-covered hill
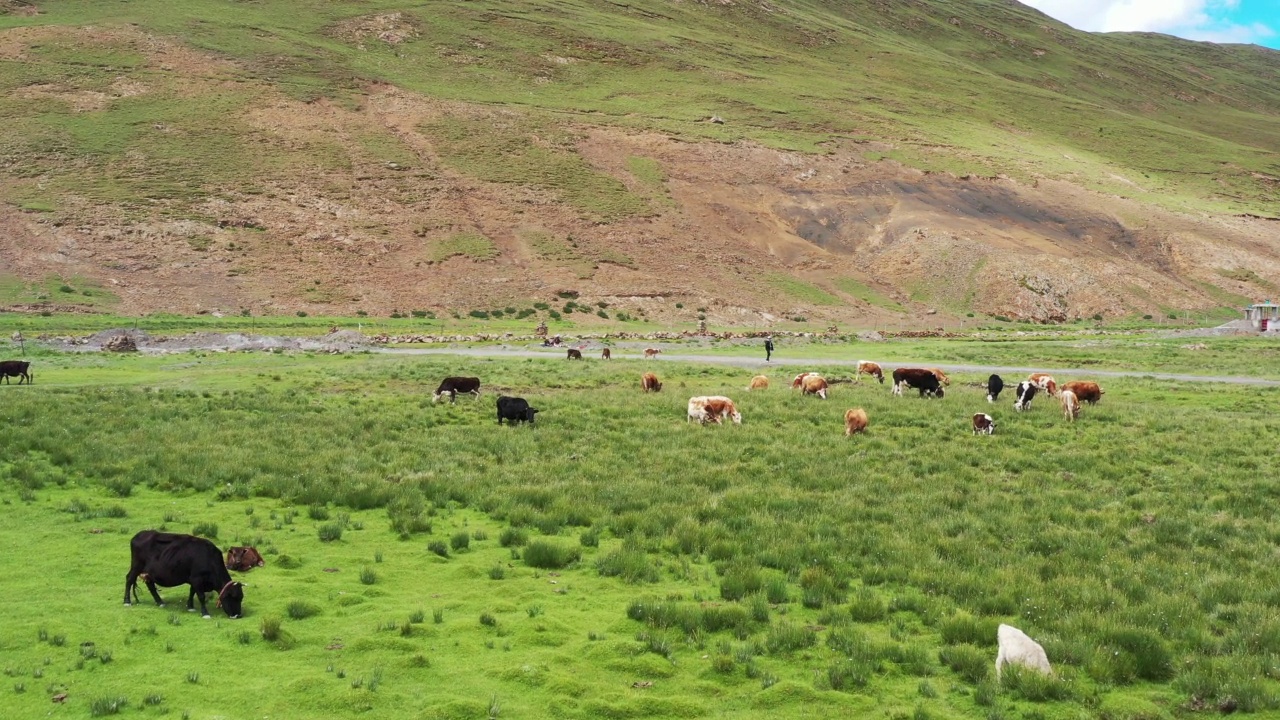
[{"x": 873, "y": 157}]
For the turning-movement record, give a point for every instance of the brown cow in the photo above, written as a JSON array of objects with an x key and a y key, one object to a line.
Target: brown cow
[
  {"x": 759, "y": 382},
  {"x": 243, "y": 558},
  {"x": 1044, "y": 381},
  {"x": 855, "y": 421},
  {"x": 799, "y": 379},
  {"x": 651, "y": 353},
  {"x": 649, "y": 382},
  {"x": 605, "y": 354},
  {"x": 942, "y": 377},
  {"x": 1070, "y": 406},
  {"x": 866, "y": 367},
  {"x": 919, "y": 379},
  {"x": 1085, "y": 391},
  {"x": 983, "y": 424},
  {"x": 574, "y": 354},
  {"x": 713, "y": 408},
  {"x": 815, "y": 385}
]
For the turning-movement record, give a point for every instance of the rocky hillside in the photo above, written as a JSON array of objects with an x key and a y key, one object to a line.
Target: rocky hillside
[{"x": 848, "y": 161}]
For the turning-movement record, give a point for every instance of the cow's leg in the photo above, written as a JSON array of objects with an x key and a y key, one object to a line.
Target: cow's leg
[
  {"x": 204, "y": 610},
  {"x": 151, "y": 585},
  {"x": 130, "y": 583}
]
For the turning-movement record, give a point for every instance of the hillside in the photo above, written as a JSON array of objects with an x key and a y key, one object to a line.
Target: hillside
[{"x": 868, "y": 159}]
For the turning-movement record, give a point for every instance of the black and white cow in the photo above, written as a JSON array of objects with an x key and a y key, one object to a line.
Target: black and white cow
[
  {"x": 983, "y": 424},
  {"x": 994, "y": 386},
  {"x": 455, "y": 385},
  {"x": 515, "y": 410},
  {"x": 1026, "y": 390},
  {"x": 168, "y": 560}
]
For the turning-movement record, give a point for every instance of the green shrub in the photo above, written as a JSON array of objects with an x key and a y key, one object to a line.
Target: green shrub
[
  {"x": 318, "y": 512},
  {"x": 460, "y": 541},
  {"x": 866, "y": 606},
  {"x": 368, "y": 576},
  {"x": 1031, "y": 684},
  {"x": 513, "y": 537},
  {"x": 963, "y": 628},
  {"x": 550, "y": 555},
  {"x": 479, "y": 314},
  {"x": 739, "y": 581},
  {"x": 849, "y": 674},
  {"x": 329, "y": 532},
  {"x": 1129, "y": 654},
  {"x": 967, "y": 661},
  {"x": 439, "y": 548},
  {"x": 786, "y": 636},
  {"x": 270, "y": 628},
  {"x": 629, "y": 562},
  {"x": 301, "y": 609}
]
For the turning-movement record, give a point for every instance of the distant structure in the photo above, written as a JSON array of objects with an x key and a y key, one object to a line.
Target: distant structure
[{"x": 1263, "y": 316}]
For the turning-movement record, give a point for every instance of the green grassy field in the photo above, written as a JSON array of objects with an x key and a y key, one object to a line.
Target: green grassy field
[{"x": 616, "y": 561}]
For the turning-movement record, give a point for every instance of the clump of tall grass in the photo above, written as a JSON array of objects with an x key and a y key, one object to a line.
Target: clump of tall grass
[
  {"x": 439, "y": 548},
  {"x": 318, "y": 512},
  {"x": 819, "y": 587},
  {"x": 963, "y": 628},
  {"x": 629, "y": 562},
  {"x": 329, "y": 532},
  {"x": 1031, "y": 684},
  {"x": 967, "y": 661},
  {"x": 207, "y": 530},
  {"x": 866, "y": 606},
  {"x": 109, "y": 705},
  {"x": 739, "y": 581},
  {"x": 298, "y": 610},
  {"x": 786, "y": 636},
  {"x": 513, "y": 537},
  {"x": 1129, "y": 654},
  {"x": 271, "y": 628},
  {"x": 460, "y": 541},
  {"x": 550, "y": 555},
  {"x": 368, "y": 576}
]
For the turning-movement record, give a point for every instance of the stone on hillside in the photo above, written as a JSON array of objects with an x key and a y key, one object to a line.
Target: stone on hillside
[
  {"x": 121, "y": 343},
  {"x": 1018, "y": 649}
]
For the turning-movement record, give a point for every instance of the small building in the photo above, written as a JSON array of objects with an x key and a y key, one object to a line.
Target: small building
[{"x": 1263, "y": 316}]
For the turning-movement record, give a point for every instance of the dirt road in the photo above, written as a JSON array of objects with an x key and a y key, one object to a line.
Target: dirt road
[{"x": 755, "y": 363}]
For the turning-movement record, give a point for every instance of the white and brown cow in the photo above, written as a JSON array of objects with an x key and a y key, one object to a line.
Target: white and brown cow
[
  {"x": 1045, "y": 382},
  {"x": 759, "y": 382},
  {"x": 713, "y": 408},
  {"x": 650, "y": 383},
  {"x": 866, "y": 367},
  {"x": 799, "y": 379},
  {"x": 815, "y": 385},
  {"x": 1085, "y": 391},
  {"x": 651, "y": 353},
  {"x": 942, "y": 377},
  {"x": 855, "y": 421},
  {"x": 983, "y": 424},
  {"x": 1070, "y": 405}
]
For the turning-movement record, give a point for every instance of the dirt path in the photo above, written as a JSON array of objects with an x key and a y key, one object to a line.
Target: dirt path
[{"x": 755, "y": 363}]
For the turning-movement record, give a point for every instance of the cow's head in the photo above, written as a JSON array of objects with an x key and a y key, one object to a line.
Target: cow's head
[
  {"x": 435, "y": 397},
  {"x": 231, "y": 599},
  {"x": 880, "y": 377},
  {"x": 737, "y": 417},
  {"x": 529, "y": 413},
  {"x": 938, "y": 393}
]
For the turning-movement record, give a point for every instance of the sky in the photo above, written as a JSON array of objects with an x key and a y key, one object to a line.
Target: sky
[{"x": 1223, "y": 21}]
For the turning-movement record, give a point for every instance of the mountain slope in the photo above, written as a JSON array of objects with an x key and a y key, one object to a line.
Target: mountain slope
[{"x": 335, "y": 156}]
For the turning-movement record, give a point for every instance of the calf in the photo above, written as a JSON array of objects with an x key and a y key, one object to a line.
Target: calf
[
  {"x": 919, "y": 379},
  {"x": 1045, "y": 382},
  {"x": 574, "y": 354},
  {"x": 983, "y": 424},
  {"x": 651, "y": 352},
  {"x": 1085, "y": 391},
  {"x": 855, "y": 421},
  {"x": 1070, "y": 405},
  {"x": 713, "y": 408},
  {"x": 866, "y": 367},
  {"x": 242, "y": 559},
  {"x": 994, "y": 386},
  {"x": 605, "y": 354},
  {"x": 455, "y": 385},
  {"x": 759, "y": 382},
  {"x": 515, "y": 410},
  {"x": 1023, "y": 394},
  {"x": 815, "y": 385},
  {"x": 650, "y": 383},
  {"x": 20, "y": 369},
  {"x": 942, "y": 377}
]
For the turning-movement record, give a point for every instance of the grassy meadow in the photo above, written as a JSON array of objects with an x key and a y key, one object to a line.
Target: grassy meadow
[{"x": 614, "y": 561}]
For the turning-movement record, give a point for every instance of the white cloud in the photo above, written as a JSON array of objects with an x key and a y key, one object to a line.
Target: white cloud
[{"x": 1194, "y": 19}]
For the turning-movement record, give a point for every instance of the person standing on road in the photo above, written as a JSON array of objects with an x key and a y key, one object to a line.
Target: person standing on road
[{"x": 768, "y": 348}]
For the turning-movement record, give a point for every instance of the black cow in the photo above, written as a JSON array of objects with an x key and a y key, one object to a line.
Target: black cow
[
  {"x": 168, "y": 560},
  {"x": 918, "y": 379},
  {"x": 574, "y": 354},
  {"x": 994, "y": 386},
  {"x": 1026, "y": 390},
  {"x": 515, "y": 410},
  {"x": 455, "y": 385},
  {"x": 20, "y": 369}
]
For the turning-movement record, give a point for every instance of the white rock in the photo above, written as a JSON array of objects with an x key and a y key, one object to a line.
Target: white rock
[{"x": 1017, "y": 648}]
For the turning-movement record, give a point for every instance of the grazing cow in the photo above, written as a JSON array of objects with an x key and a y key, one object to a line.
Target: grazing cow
[
  {"x": 994, "y": 386},
  {"x": 855, "y": 421},
  {"x": 605, "y": 354},
  {"x": 1085, "y": 391},
  {"x": 866, "y": 367},
  {"x": 919, "y": 379},
  {"x": 815, "y": 385},
  {"x": 651, "y": 352},
  {"x": 1070, "y": 405},
  {"x": 574, "y": 354},
  {"x": 799, "y": 379},
  {"x": 20, "y": 369},
  {"x": 942, "y": 377},
  {"x": 983, "y": 424},
  {"x": 455, "y": 385},
  {"x": 759, "y": 382},
  {"x": 167, "y": 560},
  {"x": 713, "y": 408},
  {"x": 515, "y": 410},
  {"x": 650, "y": 383},
  {"x": 242, "y": 559},
  {"x": 1045, "y": 382},
  {"x": 1025, "y": 391},
  {"x": 1016, "y": 648}
]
